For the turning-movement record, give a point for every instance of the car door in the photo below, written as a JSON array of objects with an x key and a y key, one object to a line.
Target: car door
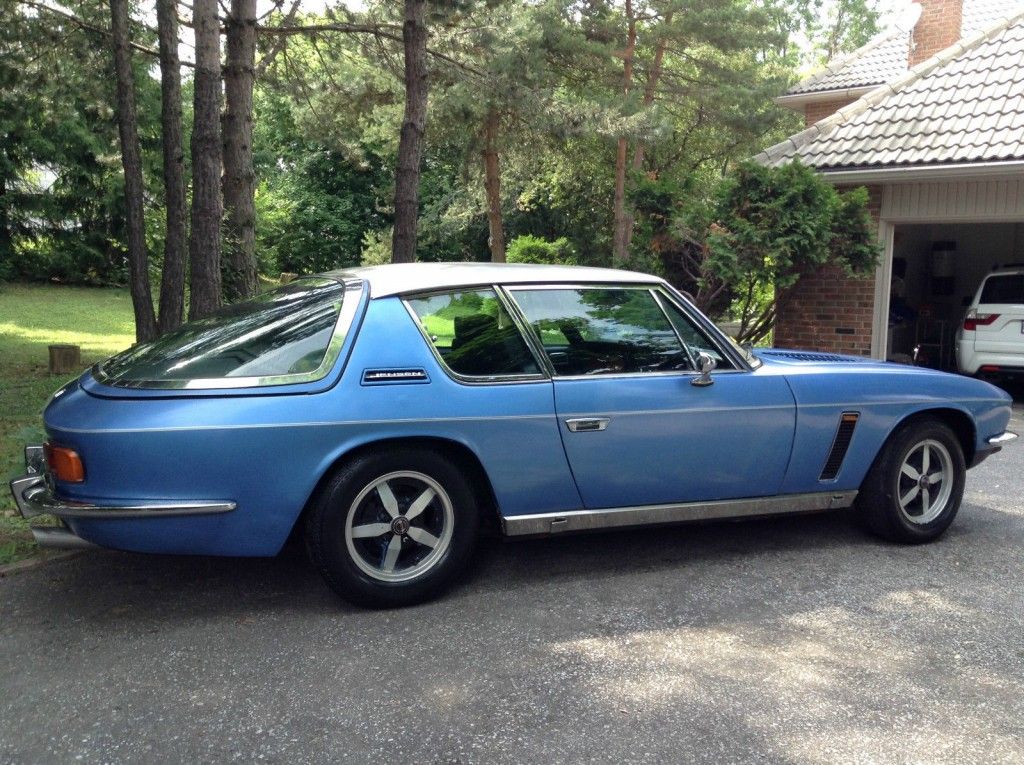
[{"x": 636, "y": 430}]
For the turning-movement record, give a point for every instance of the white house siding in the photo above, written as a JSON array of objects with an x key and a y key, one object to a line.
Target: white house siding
[{"x": 954, "y": 202}]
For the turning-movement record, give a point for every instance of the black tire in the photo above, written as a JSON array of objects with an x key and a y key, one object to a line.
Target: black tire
[
  {"x": 878, "y": 503},
  {"x": 349, "y": 565}
]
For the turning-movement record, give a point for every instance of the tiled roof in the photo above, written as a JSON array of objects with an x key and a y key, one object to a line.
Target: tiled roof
[
  {"x": 885, "y": 57},
  {"x": 882, "y": 59},
  {"x": 965, "y": 104},
  {"x": 981, "y": 14}
]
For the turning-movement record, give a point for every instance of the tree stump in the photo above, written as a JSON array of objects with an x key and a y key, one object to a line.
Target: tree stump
[
  {"x": 287, "y": 277},
  {"x": 65, "y": 359}
]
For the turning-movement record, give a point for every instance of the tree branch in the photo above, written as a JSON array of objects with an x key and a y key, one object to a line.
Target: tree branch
[
  {"x": 85, "y": 25},
  {"x": 386, "y": 31}
]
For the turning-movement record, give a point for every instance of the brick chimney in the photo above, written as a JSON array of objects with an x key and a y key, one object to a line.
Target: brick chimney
[{"x": 937, "y": 29}]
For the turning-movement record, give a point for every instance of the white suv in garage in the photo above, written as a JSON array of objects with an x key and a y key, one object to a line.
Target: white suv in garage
[{"x": 991, "y": 339}]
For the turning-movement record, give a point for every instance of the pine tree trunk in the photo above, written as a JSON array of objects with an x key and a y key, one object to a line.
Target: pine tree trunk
[
  {"x": 5, "y": 223},
  {"x": 492, "y": 187},
  {"x": 131, "y": 159},
  {"x": 172, "y": 278},
  {"x": 239, "y": 179},
  {"x": 650, "y": 89},
  {"x": 410, "y": 145},
  {"x": 204, "y": 242},
  {"x": 620, "y": 236}
]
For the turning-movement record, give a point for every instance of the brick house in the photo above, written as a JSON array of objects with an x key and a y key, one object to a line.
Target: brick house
[{"x": 929, "y": 116}]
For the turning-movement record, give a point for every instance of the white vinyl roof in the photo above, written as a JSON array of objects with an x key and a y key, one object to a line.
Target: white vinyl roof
[{"x": 401, "y": 278}]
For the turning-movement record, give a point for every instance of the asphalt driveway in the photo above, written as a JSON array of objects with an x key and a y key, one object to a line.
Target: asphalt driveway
[{"x": 789, "y": 640}]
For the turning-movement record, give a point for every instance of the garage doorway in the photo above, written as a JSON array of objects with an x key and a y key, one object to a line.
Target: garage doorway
[{"x": 936, "y": 270}]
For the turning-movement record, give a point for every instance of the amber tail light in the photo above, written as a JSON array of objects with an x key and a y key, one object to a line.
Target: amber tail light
[{"x": 64, "y": 463}]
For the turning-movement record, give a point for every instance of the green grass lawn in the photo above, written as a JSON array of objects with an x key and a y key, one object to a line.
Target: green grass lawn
[{"x": 31, "y": 318}]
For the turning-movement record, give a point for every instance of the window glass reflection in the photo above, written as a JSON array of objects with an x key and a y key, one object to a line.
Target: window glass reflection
[{"x": 283, "y": 331}]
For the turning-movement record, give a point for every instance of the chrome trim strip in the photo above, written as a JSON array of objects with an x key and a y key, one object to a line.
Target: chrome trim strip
[
  {"x": 34, "y": 497},
  {"x": 1002, "y": 438},
  {"x": 351, "y": 300},
  {"x": 645, "y": 515}
]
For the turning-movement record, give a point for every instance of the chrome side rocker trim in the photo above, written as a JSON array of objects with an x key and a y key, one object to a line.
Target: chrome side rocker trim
[{"x": 649, "y": 515}]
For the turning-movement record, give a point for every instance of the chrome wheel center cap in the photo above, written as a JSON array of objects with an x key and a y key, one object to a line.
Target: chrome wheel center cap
[{"x": 400, "y": 525}]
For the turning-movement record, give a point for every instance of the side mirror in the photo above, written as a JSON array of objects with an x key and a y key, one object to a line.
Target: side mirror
[{"x": 705, "y": 365}]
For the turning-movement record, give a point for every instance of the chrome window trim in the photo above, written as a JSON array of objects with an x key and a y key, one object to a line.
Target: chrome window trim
[
  {"x": 351, "y": 300},
  {"x": 689, "y": 354},
  {"x": 462, "y": 379},
  {"x": 728, "y": 353},
  {"x": 721, "y": 341}
]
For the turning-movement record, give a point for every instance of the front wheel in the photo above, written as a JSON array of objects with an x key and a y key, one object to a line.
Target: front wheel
[
  {"x": 914, "y": 489},
  {"x": 393, "y": 528}
]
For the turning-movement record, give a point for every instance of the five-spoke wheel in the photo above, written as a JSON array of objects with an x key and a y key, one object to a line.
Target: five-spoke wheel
[
  {"x": 925, "y": 482},
  {"x": 914, "y": 489},
  {"x": 399, "y": 526},
  {"x": 393, "y": 527}
]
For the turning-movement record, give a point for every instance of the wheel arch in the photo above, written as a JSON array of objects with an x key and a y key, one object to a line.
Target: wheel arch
[
  {"x": 459, "y": 453},
  {"x": 957, "y": 420}
]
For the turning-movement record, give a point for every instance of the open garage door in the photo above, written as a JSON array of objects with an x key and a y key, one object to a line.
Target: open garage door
[{"x": 936, "y": 271}]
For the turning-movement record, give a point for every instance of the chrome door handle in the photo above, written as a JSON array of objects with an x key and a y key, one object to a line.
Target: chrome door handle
[{"x": 587, "y": 424}]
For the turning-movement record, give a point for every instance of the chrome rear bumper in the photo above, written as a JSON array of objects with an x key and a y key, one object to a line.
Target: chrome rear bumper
[{"x": 34, "y": 496}]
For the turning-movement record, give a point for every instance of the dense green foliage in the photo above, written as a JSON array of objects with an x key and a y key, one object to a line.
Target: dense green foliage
[
  {"x": 61, "y": 187},
  {"x": 532, "y": 249},
  {"x": 752, "y": 238},
  {"x": 539, "y": 87}
]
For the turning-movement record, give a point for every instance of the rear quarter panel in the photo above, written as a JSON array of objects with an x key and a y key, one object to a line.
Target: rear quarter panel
[{"x": 268, "y": 452}]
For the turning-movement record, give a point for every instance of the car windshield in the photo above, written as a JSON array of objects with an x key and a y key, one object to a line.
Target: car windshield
[
  {"x": 286, "y": 331},
  {"x": 1003, "y": 288}
]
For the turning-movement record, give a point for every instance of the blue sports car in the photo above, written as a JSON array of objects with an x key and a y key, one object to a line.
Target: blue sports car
[{"x": 387, "y": 412}]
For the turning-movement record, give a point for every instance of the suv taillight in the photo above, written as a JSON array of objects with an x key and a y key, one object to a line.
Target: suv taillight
[{"x": 973, "y": 320}]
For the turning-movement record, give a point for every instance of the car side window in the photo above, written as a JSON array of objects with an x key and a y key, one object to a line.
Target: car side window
[
  {"x": 695, "y": 339},
  {"x": 473, "y": 334},
  {"x": 606, "y": 330}
]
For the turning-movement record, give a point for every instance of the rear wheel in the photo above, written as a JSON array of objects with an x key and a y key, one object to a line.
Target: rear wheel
[
  {"x": 913, "y": 491},
  {"x": 393, "y": 528}
]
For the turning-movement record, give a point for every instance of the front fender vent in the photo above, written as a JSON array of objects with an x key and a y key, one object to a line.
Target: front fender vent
[{"x": 840, "y": 445}]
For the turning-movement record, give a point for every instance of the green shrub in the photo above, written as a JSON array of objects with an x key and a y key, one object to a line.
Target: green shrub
[{"x": 534, "y": 249}]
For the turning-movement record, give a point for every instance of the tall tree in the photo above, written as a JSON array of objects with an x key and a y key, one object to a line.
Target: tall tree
[
  {"x": 410, "y": 144},
  {"x": 239, "y": 179},
  {"x": 204, "y": 241},
  {"x": 131, "y": 159},
  {"x": 172, "y": 281},
  {"x": 492, "y": 186},
  {"x": 621, "y": 235}
]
